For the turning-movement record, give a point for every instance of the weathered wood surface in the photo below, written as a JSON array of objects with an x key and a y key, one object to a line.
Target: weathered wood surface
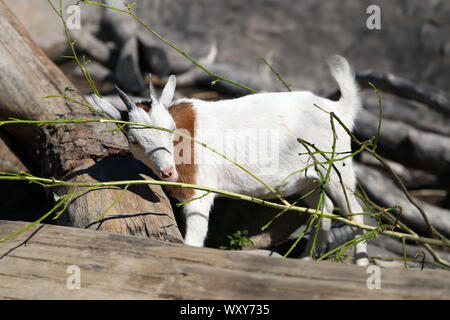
[
  {"x": 125, "y": 267},
  {"x": 77, "y": 152}
]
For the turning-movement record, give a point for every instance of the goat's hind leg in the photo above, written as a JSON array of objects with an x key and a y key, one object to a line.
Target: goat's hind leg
[
  {"x": 324, "y": 225},
  {"x": 361, "y": 257},
  {"x": 335, "y": 190}
]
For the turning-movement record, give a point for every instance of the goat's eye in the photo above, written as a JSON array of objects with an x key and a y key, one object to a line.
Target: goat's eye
[{"x": 132, "y": 140}]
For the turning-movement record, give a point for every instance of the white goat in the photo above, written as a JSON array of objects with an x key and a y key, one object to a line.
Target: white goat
[{"x": 283, "y": 117}]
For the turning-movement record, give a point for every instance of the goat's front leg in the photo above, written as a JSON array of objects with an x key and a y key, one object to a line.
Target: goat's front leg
[{"x": 196, "y": 214}]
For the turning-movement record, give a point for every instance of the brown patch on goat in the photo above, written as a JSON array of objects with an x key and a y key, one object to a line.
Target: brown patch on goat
[
  {"x": 184, "y": 116},
  {"x": 144, "y": 105}
]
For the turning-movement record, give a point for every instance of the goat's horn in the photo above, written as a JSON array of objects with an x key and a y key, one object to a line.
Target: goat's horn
[
  {"x": 125, "y": 98},
  {"x": 151, "y": 89}
]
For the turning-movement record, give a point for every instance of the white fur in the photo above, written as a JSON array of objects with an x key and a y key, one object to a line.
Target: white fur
[{"x": 283, "y": 117}]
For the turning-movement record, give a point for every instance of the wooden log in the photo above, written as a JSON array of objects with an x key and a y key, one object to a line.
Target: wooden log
[
  {"x": 77, "y": 152},
  {"x": 88, "y": 44},
  {"x": 383, "y": 191},
  {"x": 432, "y": 97},
  {"x": 409, "y": 111},
  {"x": 412, "y": 178},
  {"x": 115, "y": 25},
  {"x": 405, "y": 144},
  {"x": 198, "y": 78},
  {"x": 121, "y": 29},
  {"x": 127, "y": 69},
  {"x": 122, "y": 267},
  {"x": 138, "y": 51},
  {"x": 97, "y": 72},
  {"x": 153, "y": 58}
]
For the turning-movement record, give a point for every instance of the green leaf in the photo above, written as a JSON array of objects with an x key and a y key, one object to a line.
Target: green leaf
[{"x": 56, "y": 197}]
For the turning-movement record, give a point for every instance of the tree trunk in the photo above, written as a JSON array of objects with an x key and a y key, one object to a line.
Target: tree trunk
[{"x": 76, "y": 152}]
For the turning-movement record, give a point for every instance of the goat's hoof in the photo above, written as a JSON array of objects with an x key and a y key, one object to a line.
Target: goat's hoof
[{"x": 362, "y": 262}]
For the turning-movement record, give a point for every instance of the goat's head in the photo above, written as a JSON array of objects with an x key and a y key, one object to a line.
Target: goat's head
[{"x": 153, "y": 147}]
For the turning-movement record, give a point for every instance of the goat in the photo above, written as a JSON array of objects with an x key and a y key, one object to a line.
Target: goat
[{"x": 284, "y": 116}]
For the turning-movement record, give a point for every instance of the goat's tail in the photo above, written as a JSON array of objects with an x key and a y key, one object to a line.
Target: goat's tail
[{"x": 345, "y": 77}]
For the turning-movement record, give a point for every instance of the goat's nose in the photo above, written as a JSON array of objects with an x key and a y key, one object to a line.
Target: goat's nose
[{"x": 168, "y": 173}]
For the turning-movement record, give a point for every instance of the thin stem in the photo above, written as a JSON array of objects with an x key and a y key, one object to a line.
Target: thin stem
[
  {"x": 275, "y": 72},
  {"x": 342, "y": 248},
  {"x": 404, "y": 253},
  {"x": 377, "y": 137},
  {"x": 82, "y": 66},
  {"x": 287, "y": 208}
]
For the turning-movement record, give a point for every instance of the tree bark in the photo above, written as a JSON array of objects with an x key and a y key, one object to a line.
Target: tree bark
[{"x": 77, "y": 152}]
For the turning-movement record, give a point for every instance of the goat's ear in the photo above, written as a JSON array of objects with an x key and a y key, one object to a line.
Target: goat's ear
[
  {"x": 168, "y": 91},
  {"x": 106, "y": 107}
]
